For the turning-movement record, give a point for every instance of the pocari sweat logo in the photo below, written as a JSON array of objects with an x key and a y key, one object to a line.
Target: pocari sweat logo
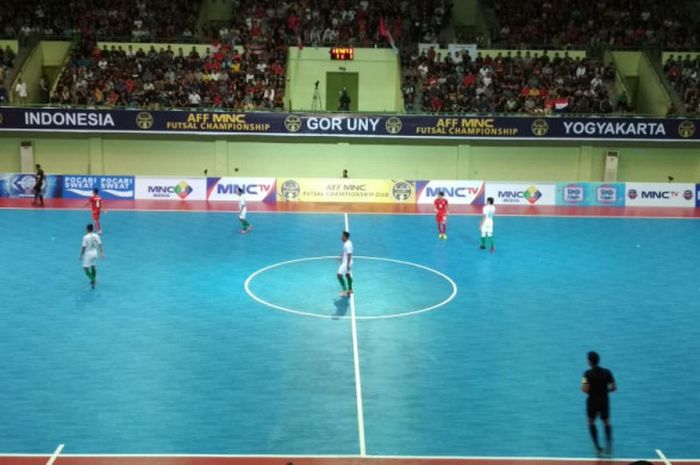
[{"x": 110, "y": 187}]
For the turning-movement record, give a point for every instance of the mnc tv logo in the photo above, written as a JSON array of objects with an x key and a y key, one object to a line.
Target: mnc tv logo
[
  {"x": 250, "y": 189},
  {"x": 454, "y": 192}
]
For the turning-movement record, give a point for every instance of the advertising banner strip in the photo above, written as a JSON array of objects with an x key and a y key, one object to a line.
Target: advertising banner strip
[
  {"x": 660, "y": 194},
  {"x": 185, "y": 189},
  {"x": 110, "y": 187},
  {"x": 521, "y": 193},
  {"x": 21, "y": 185},
  {"x": 346, "y": 125},
  {"x": 345, "y": 190},
  {"x": 697, "y": 195},
  {"x": 254, "y": 189},
  {"x": 591, "y": 194},
  {"x": 456, "y": 192}
]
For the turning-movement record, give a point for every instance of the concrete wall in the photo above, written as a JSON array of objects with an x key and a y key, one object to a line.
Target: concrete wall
[
  {"x": 649, "y": 95},
  {"x": 363, "y": 158},
  {"x": 379, "y": 74}
]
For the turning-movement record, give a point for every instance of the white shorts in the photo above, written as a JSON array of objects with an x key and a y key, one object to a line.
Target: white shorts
[
  {"x": 343, "y": 268},
  {"x": 242, "y": 214},
  {"x": 487, "y": 228},
  {"x": 89, "y": 259}
]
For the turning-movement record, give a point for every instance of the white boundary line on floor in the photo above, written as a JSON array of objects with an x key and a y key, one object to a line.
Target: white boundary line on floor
[{"x": 55, "y": 454}]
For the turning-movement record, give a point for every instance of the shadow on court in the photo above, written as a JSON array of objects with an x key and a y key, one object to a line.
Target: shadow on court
[{"x": 341, "y": 307}]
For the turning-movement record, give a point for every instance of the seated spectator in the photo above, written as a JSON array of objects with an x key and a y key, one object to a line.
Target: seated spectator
[
  {"x": 582, "y": 24},
  {"x": 512, "y": 83}
]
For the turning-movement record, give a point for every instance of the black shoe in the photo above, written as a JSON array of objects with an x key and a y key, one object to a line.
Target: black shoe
[
  {"x": 92, "y": 284},
  {"x": 483, "y": 247}
]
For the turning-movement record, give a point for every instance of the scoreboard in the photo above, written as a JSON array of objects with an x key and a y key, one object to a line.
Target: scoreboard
[{"x": 342, "y": 53}]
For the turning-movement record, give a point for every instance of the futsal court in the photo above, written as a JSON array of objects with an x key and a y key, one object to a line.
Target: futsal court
[{"x": 203, "y": 345}]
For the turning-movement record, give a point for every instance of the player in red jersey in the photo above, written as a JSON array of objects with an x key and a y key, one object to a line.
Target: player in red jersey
[
  {"x": 97, "y": 206},
  {"x": 441, "y": 215}
]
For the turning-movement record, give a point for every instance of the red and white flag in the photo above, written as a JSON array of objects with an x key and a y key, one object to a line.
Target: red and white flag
[{"x": 384, "y": 32}]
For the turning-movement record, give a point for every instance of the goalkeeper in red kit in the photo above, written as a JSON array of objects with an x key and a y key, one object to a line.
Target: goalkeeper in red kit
[{"x": 441, "y": 215}]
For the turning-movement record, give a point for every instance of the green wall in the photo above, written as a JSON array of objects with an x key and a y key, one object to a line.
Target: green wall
[
  {"x": 13, "y": 44},
  {"x": 313, "y": 157},
  {"x": 379, "y": 71},
  {"x": 648, "y": 93}
]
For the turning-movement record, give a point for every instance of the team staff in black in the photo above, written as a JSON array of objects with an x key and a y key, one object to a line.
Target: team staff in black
[
  {"x": 597, "y": 383},
  {"x": 39, "y": 178}
]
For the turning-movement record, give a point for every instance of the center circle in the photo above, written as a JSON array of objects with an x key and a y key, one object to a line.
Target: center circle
[{"x": 384, "y": 288}]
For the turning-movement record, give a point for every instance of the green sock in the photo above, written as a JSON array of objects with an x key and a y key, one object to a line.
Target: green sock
[
  {"x": 94, "y": 273},
  {"x": 88, "y": 273},
  {"x": 342, "y": 282},
  {"x": 246, "y": 225},
  {"x": 491, "y": 240},
  {"x": 483, "y": 241},
  {"x": 349, "y": 281}
]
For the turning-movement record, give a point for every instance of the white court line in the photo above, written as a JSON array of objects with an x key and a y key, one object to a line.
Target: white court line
[
  {"x": 284, "y": 212},
  {"x": 55, "y": 455},
  {"x": 356, "y": 361},
  {"x": 358, "y": 380},
  {"x": 341, "y": 456},
  {"x": 662, "y": 457}
]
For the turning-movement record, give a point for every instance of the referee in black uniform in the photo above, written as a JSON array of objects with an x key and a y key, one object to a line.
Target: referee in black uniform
[
  {"x": 39, "y": 178},
  {"x": 597, "y": 383}
]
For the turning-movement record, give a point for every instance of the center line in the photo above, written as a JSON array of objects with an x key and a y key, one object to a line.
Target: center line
[{"x": 356, "y": 359}]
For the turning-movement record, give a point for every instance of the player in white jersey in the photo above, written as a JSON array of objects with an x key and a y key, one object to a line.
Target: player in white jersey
[
  {"x": 92, "y": 246},
  {"x": 345, "y": 268},
  {"x": 489, "y": 212},
  {"x": 243, "y": 212}
]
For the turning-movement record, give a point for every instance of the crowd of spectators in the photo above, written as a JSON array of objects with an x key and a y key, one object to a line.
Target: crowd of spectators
[
  {"x": 560, "y": 24},
  {"x": 516, "y": 82},
  {"x": 341, "y": 22},
  {"x": 7, "y": 58},
  {"x": 133, "y": 20},
  {"x": 684, "y": 74},
  {"x": 244, "y": 69},
  {"x": 220, "y": 77}
]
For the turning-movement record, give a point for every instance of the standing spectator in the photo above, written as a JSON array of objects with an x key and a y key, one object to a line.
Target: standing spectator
[
  {"x": 44, "y": 89},
  {"x": 597, "y": 383},
  {"x": 21, "y": 91},
  {"x": 344, "y": 100}
]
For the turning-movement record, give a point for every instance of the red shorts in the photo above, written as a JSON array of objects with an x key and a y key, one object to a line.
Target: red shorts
[
  {"x": 96, "y": 215},
  {"x": 441, "y": 218}
]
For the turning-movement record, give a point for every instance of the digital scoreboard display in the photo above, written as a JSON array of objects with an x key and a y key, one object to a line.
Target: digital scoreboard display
[{"x": 342, "y": 53}]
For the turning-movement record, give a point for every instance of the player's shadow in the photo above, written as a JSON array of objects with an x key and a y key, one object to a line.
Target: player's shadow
[{"x": 341, "y": 307}]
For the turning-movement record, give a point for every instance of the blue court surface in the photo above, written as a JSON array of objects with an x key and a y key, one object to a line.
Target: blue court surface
[{"x": 201, "y": 340}]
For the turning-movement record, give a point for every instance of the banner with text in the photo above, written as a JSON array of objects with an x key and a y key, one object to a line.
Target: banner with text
[
  {"x": 659, "y": 194},
  {"x": 346, "y": 190},
  {"x": 697, "y": 196},
  {"x": 521, "y": 193},
  {"x": 110, "y": 187},
  {"x": 591, "y": 194},
  {"x": 344, "y": 125},
  {"x": 254, "y": 189},
  {"x": 171, "y": 188},
  {"x": 21, "y": 185},
  {"x": 456, "y": 192}
]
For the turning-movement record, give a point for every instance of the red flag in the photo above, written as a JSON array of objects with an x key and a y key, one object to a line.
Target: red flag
[{"x": 384, "y": 32}]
